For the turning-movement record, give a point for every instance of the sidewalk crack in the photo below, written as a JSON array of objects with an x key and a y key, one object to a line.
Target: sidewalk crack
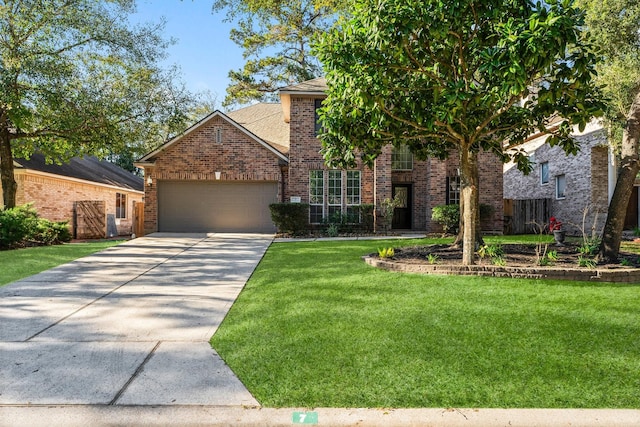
[{"x": 135, "y": 374}]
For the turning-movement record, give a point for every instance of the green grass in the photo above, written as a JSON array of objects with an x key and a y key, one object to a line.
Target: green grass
[
  {"x": 316, "y": 327},
  {"x": 19, "y": 263}
]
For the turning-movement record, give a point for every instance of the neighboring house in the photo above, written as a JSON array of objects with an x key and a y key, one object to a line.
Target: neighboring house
[
  {"x": 578, "y": 187},
  {"x": 222, "y": 173},
  {"x": 55, "y": 191}
]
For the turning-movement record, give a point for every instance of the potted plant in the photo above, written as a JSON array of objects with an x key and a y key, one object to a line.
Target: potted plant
[{"x": 555, "y": 226}]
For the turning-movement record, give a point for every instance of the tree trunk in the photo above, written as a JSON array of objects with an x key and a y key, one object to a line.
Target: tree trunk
[
  {"x": 479, "y": 237},
  {"x": 9, "y": 185},
  {"x": 629, "y": 167},
  {"x": 469, "y": 203}
]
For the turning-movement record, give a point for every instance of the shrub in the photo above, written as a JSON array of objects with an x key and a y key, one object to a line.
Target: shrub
[
  {"x": 448, "y": 216},
  {"x": 290, "y": 217},
  {"x": 367, "y": 215},
  {"x": 17, "y": 225},
  {"x": 51, "y": 233},
  {"x": 21, "y": 224}
]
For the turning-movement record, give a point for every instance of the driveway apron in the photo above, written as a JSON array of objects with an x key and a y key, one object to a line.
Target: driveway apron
[{"x": 129, "y": 325}]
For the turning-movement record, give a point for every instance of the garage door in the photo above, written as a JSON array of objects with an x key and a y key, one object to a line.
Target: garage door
[{"x": 199, "y": 206}]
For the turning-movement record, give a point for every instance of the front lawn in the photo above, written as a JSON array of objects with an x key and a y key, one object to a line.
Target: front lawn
[
  {"x": 19, "y": 263},
  {"x": 316, "y": 327}
]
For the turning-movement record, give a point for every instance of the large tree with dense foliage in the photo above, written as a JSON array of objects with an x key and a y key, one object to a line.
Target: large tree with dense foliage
[
  {"x": 275, "y": 36},
  {"x": 455, "y": 76},
  {"x": 75, "y": 79},
  {"x": 614, "y": 27}
]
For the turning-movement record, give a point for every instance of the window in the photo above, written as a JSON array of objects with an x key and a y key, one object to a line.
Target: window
[
  {"x": 353, "y": 193},
  {"x": 121, "y": 205},
  {"x": 318, "y": 125},
  {"x": 453, "y": 190},
  {"x": 544, "y": 173},
  {"x": 561, "y": 185},
  {"x": 401, "y": 159},
  {"x": 218, "y": 135},
  {"x": 334, "y": 192},
  {"x": 316, "y": 196}
]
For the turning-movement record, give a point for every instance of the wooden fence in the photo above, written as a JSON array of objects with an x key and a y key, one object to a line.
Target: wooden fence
[
  {"x": 90, "y": 219},
  {"x": 138, "y": 219},
  {"x": 525, "y": 216}
]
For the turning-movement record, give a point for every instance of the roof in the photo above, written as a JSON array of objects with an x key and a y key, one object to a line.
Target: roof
[
  {"x": 266, "y": 121},
  {"x": 150, "y": 157},
  {"x": 87, "y": 168},
  {"x": 310, "y": 87}
]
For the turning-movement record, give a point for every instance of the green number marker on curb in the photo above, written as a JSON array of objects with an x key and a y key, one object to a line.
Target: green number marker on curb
[{"x": 305, "y": 418}]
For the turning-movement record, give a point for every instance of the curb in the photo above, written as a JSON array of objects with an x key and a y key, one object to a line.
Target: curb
[{"x": 104, "y": 415}]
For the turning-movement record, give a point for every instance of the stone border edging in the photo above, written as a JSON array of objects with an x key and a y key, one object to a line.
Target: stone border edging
[{"x": 622, "y": 275}]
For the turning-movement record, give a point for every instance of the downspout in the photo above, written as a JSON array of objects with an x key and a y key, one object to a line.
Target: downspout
[{"x": 283, "y": 166}]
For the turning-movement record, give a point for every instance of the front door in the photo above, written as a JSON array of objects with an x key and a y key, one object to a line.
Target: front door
[{"x": 402, "y": 212}]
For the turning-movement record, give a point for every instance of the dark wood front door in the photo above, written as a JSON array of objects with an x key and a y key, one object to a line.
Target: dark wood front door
[{"x": 402, "y": 213}]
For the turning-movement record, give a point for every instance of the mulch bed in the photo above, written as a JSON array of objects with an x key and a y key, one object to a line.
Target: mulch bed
[{"x": 514, "y": 255}]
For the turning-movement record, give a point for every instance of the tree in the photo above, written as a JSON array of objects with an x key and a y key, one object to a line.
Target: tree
[
  {"x": 276, "y": 37},
  {"x": 614, "y": 26},
  {"x": 461, "y": 76},
  {"x": 75, "y": 80}
]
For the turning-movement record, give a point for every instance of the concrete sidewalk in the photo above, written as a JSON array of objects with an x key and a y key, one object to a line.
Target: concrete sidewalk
[{"x": 127, "y": 326}]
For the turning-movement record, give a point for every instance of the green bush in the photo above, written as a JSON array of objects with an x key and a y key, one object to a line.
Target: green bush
[
  {"x": 290, "y": 217},
  {"x": 448, "y": 216},
  {"x": 21, "y": 225},
  {"x": 51, "y": 233},
  {"x": 17, "y": 225},
  {"x": 367, "y": 215}
]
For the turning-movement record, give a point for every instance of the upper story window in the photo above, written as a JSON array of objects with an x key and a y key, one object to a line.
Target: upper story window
[
  {"x": 316, "y": 117},
  {"x": 561, "y": 186},
  {"x": 121, "y": 205},
  {"x": 544, "y": 173},
  {"x": 401, "y": 159}
]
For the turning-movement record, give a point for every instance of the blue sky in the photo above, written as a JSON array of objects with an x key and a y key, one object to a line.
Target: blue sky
[{"x": 202, "y": 50}]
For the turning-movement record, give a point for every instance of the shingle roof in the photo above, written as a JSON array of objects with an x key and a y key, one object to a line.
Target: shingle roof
[
  {"x": 266, "y": 121},
  {"x": 315, "y": 86},
  {"x": 86, "y": 168}
]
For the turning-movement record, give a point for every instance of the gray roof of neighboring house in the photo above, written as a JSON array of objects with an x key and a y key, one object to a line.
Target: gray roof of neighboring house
[
  {"x": 315, "y": 86},
  {"x": 86, "y": 168},
  {"x": 266, "y": 121}
]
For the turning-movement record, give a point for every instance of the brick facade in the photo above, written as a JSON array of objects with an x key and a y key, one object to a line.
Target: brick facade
[
  {"x": 427, "y": 178},
  {"x": 54, "y": 196},
  {"x": 586, "y": 177},
  {"x": 198, "y": 156}
]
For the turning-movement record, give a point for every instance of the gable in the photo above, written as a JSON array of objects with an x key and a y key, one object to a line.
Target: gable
[{"x": 205, "y": 132}]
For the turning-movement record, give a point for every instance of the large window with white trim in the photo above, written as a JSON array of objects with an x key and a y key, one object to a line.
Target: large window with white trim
[
  {"x": 332, "y": 193},
  {"x": 316, "y": 196},
  {"x": 353, "y": 193}
]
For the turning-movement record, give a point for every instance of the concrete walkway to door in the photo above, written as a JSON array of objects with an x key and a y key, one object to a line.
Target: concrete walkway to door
[{"x": 127, "y": 326}]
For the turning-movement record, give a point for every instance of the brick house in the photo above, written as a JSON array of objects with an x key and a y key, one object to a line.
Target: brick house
[
  {"x": 55, "y": 190},
  {"x": 571, "y": 183},
  {"x": 223, "y": 172}
]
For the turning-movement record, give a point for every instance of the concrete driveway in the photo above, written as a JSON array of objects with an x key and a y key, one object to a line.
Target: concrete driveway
[{"x": 127, "y": 326}]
